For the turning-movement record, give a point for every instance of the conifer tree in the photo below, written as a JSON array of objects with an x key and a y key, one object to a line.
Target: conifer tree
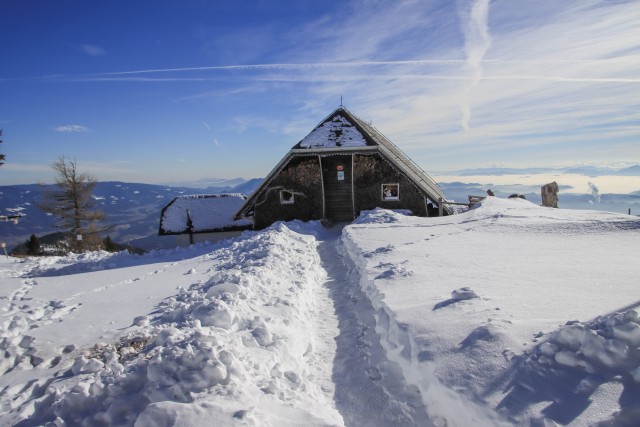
[
  {"x": 109, "y": 246},
  {"x": 1, "y": 155},
  {"x": 33, "y": 246}
]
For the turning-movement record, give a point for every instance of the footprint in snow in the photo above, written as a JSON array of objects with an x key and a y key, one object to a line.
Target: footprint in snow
[
  {"x": 457, "y": 295},
  {"x": 381, "y": 250},
  {"x": 373, "y": 374},
  {"x": 394, "y": 272}
]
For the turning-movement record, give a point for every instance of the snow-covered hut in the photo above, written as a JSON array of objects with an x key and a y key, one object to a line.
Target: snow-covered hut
[
  {"x": 344, "y": 166},
  {"x": 203, "y": 217}
]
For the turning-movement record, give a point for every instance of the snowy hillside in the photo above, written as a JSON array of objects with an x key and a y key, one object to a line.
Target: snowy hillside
[
  {"x": 508, "y": 314},
  {"x": 133, "y": 210}
]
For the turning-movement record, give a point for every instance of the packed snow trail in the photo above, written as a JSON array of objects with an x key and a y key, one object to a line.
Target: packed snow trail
[{"x": 369, "y": 390}]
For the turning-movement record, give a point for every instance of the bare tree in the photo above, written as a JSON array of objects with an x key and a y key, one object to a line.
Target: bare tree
[{"x": 72, "y": 202}]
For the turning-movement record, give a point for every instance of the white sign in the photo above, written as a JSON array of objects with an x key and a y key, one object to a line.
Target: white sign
[{"x": 340, "y": 175}]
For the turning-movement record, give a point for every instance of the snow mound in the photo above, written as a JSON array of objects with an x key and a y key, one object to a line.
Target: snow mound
[
  {"x": 517, "y": 269},
  {"x": 381, "y": 216},
  {"x": 520, "y": 215},
  {"x": 608, "y": 346},
  {"x": 463, "y": 294},
  {"x": 241, "y": 336}
]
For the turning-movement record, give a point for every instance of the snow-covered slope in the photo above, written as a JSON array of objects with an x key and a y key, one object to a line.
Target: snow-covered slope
[
  {"x": 507, "y": 314},
  {"x": 526, "y": 309},
  {"x": 223, "y": 336},
  {"x": 133, "y": 210}
]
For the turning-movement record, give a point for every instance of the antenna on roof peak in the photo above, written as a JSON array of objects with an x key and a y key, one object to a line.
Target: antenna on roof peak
[{"x": 341, "y": 101}]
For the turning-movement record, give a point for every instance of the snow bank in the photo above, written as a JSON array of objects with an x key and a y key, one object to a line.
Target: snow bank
[
  {"x": 469, "y": 305},
  {"x": 444, "y": 405},
  {"x": 381, "y": 216},
  {"x": 233, "y": 348},
  {"x": 607, "y": 345}
]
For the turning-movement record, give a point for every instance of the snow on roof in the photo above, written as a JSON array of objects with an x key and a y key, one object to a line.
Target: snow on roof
[
  {"x": 338, "y": 132},
  {"x": 209, "y": 212}
]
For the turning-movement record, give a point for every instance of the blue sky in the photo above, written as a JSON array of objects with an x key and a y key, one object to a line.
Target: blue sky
[{"x": 165, "y": 91}]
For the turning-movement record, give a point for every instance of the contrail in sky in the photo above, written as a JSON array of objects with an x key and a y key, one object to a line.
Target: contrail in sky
[
  {"x": 476, "y": 42},
  {"x": 474, "y": 59},
  {"x": 294, "y": 66}
]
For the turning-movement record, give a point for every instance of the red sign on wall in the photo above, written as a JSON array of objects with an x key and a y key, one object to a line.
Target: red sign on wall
[{"x": 340, "y": 168}]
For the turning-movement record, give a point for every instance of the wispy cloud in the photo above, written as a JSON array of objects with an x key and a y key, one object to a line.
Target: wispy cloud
[
  {"x": 71, "y": 129},
  {"x": 93, "y": 50},
  {"x": 473, "y": 16},
  {"x": 553, "y": 78},
  {"x": 25, "y": 167}
]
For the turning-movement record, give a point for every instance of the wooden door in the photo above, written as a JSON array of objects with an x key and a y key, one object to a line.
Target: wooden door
[{"x": 338, "y": 187}]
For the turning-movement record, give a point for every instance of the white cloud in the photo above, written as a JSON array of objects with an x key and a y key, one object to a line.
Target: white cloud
[
  {"x": 475, "y": 27},
  {"x": 93, "y": 50},
  {"x": 25, "y": 167},
  {"x": 556, "y": 77},
  {"x": 71, "y": 129}
]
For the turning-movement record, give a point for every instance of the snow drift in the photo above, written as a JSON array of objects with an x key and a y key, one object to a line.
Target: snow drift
[{"x": 507, "y": 314}]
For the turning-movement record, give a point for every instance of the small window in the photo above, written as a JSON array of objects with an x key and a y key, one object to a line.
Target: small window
[
  {"x": 390, "y": 191},
  {"x": 286, "y": 197}
]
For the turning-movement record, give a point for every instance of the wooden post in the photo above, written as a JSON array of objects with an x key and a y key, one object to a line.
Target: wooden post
[
  {"x": 324, "y": 207},
  {"x": 440, "y": 206},
  {"x": 190, "y": 227}
]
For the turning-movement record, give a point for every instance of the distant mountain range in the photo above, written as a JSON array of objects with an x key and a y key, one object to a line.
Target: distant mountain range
[
  {"x": 620, "y": 203},
  {"x": 132, "y": 209},
  {"x": 591, "y": 171},
  {"x": 213, "y": 183}
]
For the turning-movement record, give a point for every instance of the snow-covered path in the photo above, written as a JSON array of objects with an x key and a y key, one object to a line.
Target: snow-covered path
[
  {"x": 270, "y": 329},
  {"x": 369, "y": 390}
]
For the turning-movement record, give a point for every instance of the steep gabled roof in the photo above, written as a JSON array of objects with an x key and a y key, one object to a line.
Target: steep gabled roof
[
  {"x": 202, "y": 213},
  {"x": 343, "y": 132},
  {"x": 339, "y": 129}
]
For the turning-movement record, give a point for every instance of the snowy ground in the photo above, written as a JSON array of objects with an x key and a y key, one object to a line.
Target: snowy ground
[{"x": 507, "y": 314}]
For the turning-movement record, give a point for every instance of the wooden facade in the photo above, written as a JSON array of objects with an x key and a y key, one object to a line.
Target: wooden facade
[{"x": 343, "y": 167}]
